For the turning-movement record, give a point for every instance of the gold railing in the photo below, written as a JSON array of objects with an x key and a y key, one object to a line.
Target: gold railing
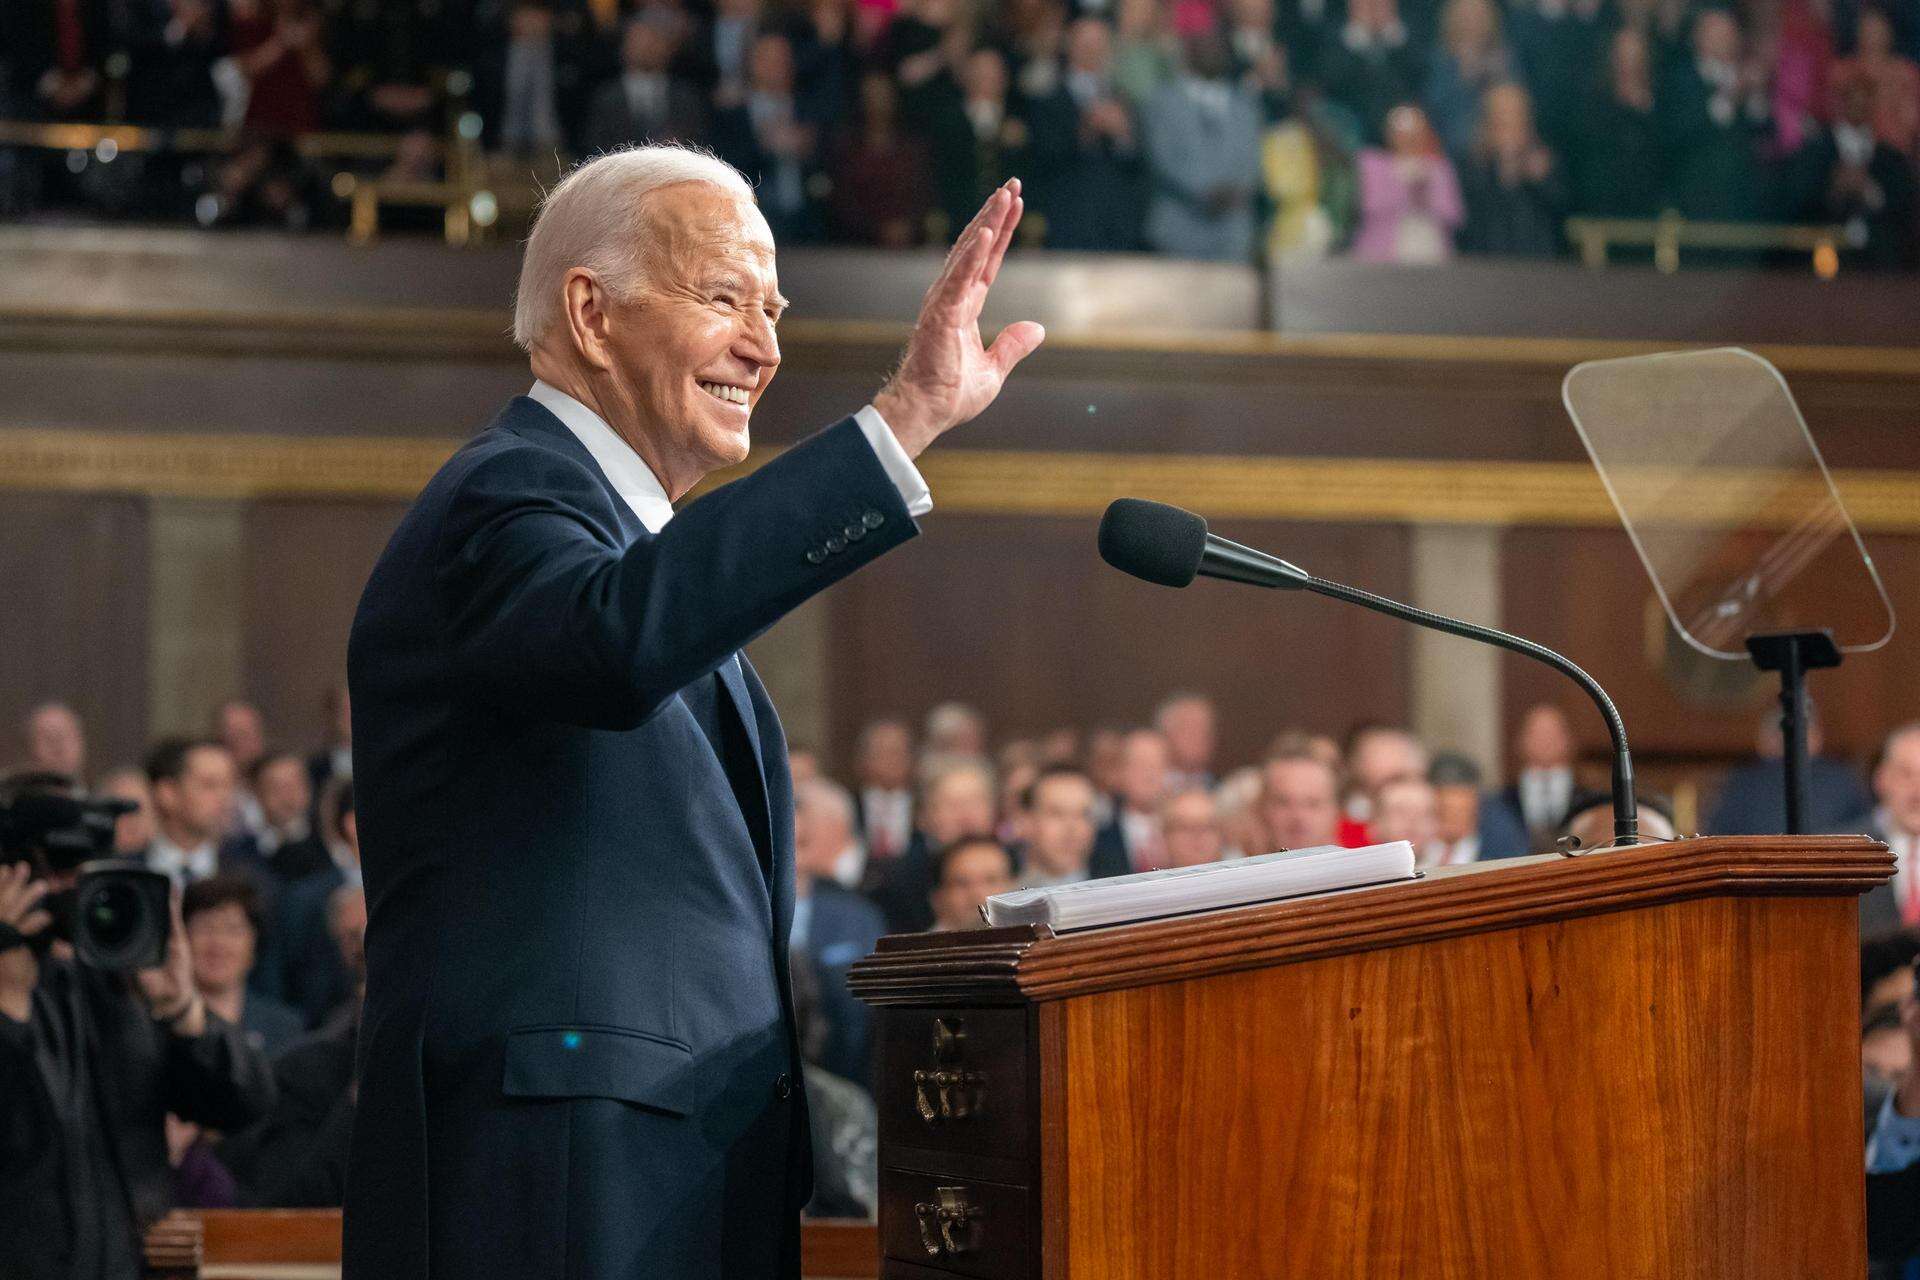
[
  {"x": 1669, "y": 233},
  {"x": 473, "y": 196}
]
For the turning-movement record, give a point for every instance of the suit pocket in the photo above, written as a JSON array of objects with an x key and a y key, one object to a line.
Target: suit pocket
[{"x": 600, "y": 1062}]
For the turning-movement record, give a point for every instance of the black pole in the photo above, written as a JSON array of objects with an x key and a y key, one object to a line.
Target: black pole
[{"x": 1793, "y": 654}]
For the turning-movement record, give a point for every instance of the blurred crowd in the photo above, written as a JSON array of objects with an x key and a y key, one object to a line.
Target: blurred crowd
[
  {"x": 1391, "y": 130},
  {"x": 928, "y": 821}
]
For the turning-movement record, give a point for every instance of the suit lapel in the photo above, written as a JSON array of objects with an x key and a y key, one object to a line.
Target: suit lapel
[{"x": 735, "y": 682}]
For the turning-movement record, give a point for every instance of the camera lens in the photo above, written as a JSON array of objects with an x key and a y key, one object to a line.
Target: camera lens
[{"x": 113, "y": 915}]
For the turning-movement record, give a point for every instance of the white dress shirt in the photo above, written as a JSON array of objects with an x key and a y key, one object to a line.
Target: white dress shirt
[
  {"x": 642, "y": 491},
  {"x": 889, "y": 819},
  {"x": 1545, "y": 796},
  {"x": 182, "y": 866}
]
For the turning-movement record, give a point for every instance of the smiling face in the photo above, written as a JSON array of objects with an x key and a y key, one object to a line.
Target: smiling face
[{"x": 692, "y": 351}]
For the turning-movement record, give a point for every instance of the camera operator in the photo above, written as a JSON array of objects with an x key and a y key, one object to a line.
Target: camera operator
[{"x": 91, "y": 1062}]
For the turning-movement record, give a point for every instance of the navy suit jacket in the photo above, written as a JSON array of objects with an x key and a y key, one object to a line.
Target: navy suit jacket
[
  {"x": 1110, "y": 856},
  {"x": 578, "y": 1057}
]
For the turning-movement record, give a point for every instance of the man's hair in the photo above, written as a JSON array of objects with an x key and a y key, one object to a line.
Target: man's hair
[
  {"x": 964, "y": 843},
  {"x": 270, "y": 757},
  {"x": 220, "y": 891},
  {"x": 591, "y": 219},
  {"x": 831, "y": 795},
  {"x": 940, "y": 768},
  {"x": 1298, "y": 757},
  {"x": 1048, "y": 774},
  {"x": 167, "y": 759},
  {"x": 1881, "y": 955},
  {"x": 1452, "y": 769}
]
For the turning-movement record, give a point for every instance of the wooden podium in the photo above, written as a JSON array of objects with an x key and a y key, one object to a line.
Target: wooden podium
[{"x": 1642, "y": 1063}]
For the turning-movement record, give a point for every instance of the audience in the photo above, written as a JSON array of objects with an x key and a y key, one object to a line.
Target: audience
[
  {"x": 1753, "y": 796},
  {"x": 1545, "y": 789},
  {"x": 1409, "y": 195},
  {"x": 55, "y": 741},
  {"x": 304, "y": 965},
  {"x": 1059, "y": 828},
  {"x": 1131, "y": 840},
  {"x": 1896, "y": 820},
  {"x": 1201, "y": 139},
  {"x": 1299, "y": 802},
  {"x": 1213, "y": 129},
  {"x": 967, "y": 873},
  {"x": 193, "y": 782},
  {"x": 957, "y": 801},
  {"x": 223, "y": 919},
  {"x": 1166, "y": 810},
  {"x": 833, "y": 926},
  {"x": 1190, "y": 825}
]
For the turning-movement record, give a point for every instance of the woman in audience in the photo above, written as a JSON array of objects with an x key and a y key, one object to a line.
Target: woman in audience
[
  {"x": 881, "y": 191},
  {"x": 1618, "y": 169},
  {"x": 1409, "y": 195},
  {"x": 222, "y": 915},
  {"x": 1472, "y": 57},
  {"x": 1515, "y": 197}
]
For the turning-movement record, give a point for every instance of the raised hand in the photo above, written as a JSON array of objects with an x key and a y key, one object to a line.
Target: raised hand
[
  {"x": 21, "y": 912},
  {"x": 946, "y": 376}
]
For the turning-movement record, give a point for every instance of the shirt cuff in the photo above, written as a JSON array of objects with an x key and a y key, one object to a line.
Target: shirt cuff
[
  {"x": 895, "y": 462},
  {"x": 1895, "y": 1143}
]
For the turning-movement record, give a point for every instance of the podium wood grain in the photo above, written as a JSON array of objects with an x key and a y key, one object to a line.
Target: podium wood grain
[{"x": 1631, "y": 1064}]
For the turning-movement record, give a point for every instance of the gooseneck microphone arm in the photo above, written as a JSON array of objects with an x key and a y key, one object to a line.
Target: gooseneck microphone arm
[
  {"x": 1169, "y": 547},
  {"x": 1626, "y": 820}
]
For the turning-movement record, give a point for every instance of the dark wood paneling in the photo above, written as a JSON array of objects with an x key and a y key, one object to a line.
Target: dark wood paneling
[
  {"x": 74, "y": 625},
  {"x": 306, "y": 563},
  {"x": 1584, "y": 592},
  {"x": 1020, "y": 617}
]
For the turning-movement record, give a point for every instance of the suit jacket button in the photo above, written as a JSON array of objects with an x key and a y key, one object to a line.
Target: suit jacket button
[
  {"x": 816, "y": 556},
  {"x": 873, "y": 519},
  {"x": 836, "y": 544},
  {"x": 855, "y": 532},
  {"x": 783, "y": 1087}
]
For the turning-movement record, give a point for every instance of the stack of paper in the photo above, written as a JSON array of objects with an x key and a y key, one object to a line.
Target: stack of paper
[{"x": 1178, "y": 891}]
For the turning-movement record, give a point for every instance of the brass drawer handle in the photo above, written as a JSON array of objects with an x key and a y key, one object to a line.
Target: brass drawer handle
[
  {"x": 948, "y": 1094},
  {"x": 947, "y": 1223}
]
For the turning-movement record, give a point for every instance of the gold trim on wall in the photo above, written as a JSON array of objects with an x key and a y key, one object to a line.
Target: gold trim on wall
[
  {"x": 484, "y": 330},
  {"x": 964, "y": 481}
]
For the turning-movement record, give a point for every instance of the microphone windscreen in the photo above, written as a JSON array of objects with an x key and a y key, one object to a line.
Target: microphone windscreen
[{"x": 1153, "y": 541}]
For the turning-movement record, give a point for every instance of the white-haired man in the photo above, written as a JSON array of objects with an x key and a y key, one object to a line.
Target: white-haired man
[{"x": 578, "y": 1055}]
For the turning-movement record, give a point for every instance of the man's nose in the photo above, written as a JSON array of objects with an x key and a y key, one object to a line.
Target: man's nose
[{"x": 758, "y": 342}]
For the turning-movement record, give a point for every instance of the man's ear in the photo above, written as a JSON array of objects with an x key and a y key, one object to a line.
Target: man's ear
[{"x": 589, "y": 325}]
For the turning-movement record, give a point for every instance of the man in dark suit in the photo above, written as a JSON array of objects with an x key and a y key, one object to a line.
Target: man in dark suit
[
  {"x": 1086, "y": 150},
  {"x": 578, "y": 1055},
  {"x": 646, "y": 102},
  {"x": 301, "y": 964},
  {"x": 1131, "y": 841},
  {"x": 1753, "y": 797},
  {"x": 1896, "y": 820},
  {"x": 1545, "y": 788},
  {"x": 832, "y": 925}
]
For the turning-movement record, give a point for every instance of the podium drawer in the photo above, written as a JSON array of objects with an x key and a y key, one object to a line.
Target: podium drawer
[
  {"x": 955, "y": 1080},
  {"x": 957, "y": 1225}
]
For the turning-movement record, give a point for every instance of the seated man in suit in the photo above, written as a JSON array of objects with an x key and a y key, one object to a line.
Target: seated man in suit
[
  {"x": 1131, "y": 841},
  {"x": 1299, "y": 802},
  {"x": 1058, "y": 820},
  {"x": 302, "y": 966},
  {"x": 1753, "y": 797},
  {"x": 578, "y": 1055},
  {"x": 1896, "y": 820},
  {"x": 956, "y": 801},
  {"x": 285, "y": 844},
  {"x": 647, "y": 102},
  {"x": 967, "y": 873},
  {"x": 1190, "y": 822},
  {"x": 1545, "y": 790},
  {"x": 832, "y": 925},
  {"x": 1472, "y": 826}
]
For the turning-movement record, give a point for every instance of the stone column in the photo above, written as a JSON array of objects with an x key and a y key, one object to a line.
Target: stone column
[
  {"x": 196, "y": 611},
  {"x": 1455, "y": 696}
]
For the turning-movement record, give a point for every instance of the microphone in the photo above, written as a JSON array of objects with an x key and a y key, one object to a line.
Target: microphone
[{"x": 1169, "y": 546}]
